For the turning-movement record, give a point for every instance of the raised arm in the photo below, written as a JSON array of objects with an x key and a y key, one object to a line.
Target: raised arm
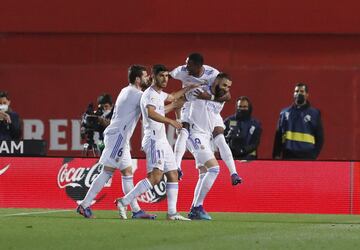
[{"x": 163, "y": 119}]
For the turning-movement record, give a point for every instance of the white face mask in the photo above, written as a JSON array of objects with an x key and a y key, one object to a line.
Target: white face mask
[
  {"x": 4, "y": 107},
  {"x": 106, "y": 112}
]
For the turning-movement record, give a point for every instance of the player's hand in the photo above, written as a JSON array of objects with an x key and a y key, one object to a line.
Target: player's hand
[
  {"x": 5, "y": 116},
  {"x": 178, "y": 103},
  {"x": 202, "y": 95},
  {"x": 176, "y": 124}
]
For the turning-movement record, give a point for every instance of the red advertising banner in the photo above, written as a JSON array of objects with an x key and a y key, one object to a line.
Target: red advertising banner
[{"x": 269, "y": 186}]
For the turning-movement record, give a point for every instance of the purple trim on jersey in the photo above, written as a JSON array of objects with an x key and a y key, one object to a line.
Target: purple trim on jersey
[
  {"x": 116, "y": 147},
  {"x": 152, "y": 151},
  {"x": 146, "y": 184},
  {"x": 174, "y": 185},
  {"x": 208, "y": 71},
  {"x": 127, "y": 178},
  {"x": 215, "y": 170}
]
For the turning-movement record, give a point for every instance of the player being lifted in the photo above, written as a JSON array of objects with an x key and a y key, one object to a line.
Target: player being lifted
[
  {"x": 160, "y": 158},
  {"x": 116, "y": 154},
  {"x": 196, "y": 72},
  {"x": 201, "y": 129}
]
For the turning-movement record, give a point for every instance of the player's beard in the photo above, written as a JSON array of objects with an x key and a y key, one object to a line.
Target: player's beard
[{"x": 219, "y": 92}]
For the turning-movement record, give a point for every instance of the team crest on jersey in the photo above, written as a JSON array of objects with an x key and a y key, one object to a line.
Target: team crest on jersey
[
  {"x": 159, "y": 162},
  {"x": 307, "y": 118},
  {"x": 202, "y": 147}
]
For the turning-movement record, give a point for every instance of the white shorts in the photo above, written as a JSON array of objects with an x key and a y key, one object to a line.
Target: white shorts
[
  {"x": 159, "y": 154},
  {"x": 116, "y": 153},
  {"x": 185, "y": 112},
  {"x": 201, "y": 148},
  {"x": 218, "y": 121}
]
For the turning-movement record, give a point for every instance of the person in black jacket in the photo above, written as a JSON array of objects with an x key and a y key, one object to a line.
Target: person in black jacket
[
  {"x": 242, "y": 131},
  {"x": 299, "y": 133},
  {"x": 9, "y": 120}
]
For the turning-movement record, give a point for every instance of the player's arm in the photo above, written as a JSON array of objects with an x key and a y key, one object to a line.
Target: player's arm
[
  {"x": 206, "y": 96},
  {"x": 176, "y": 95},
  {"x": 177, "y": 104},
  {"x": 159, "y": 118}
]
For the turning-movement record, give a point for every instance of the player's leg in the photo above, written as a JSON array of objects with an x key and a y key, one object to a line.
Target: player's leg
[
  {"x": 204, "y": 157},
  {"x": 109, "y": 160},
  {"x": 155, "y": 167},
  {"x": 172, "y": 184},
  {"x": 96, "y": 186},
  {"x": 225, "y": 153},
  {"x": 180, "y": 144}
]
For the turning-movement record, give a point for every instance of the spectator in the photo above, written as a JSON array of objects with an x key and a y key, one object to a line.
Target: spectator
[
  {"x": 9, "y": 120},
  {"x": 299, "y": 133},
  {"x": 242, "y": 131}
]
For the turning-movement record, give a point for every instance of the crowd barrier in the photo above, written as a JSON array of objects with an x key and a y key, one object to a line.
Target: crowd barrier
[{"x": 269, "y": 186}]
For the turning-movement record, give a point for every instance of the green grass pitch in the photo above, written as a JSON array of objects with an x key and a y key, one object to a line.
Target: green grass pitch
[{"x": 49, "y": 229}]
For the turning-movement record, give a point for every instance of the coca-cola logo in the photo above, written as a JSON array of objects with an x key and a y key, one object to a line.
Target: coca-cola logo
[
  {"x": 156, "y": 194},
  {"x": 77, "y": 180}
]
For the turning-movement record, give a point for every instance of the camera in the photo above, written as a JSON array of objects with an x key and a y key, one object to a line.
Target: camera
[{"x": 90, "y": 123}]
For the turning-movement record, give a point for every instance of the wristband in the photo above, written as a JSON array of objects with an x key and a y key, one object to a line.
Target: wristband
[{"x": 212, "y": 98}]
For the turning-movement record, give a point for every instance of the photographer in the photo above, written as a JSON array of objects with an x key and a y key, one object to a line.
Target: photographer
[
  {"x": 96, "y": 121},
  {"x": 9, "y": 120},
  {"x": 242, "y": 131}
]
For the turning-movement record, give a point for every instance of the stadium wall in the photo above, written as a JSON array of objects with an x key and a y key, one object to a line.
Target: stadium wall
[
  {"x": 56, "y": 57},
  {"x": 269, "y": 186}
]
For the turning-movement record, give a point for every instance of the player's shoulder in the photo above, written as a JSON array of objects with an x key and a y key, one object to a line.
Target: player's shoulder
[{"x": 210, "y": 71}]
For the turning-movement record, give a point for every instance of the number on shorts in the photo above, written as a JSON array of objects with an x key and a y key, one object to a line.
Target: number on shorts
[
  {"x": 120, "y": 152},
  {"x": 197, "y": 141}
]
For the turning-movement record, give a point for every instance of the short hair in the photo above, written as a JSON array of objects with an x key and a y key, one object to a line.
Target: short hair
[
  {"x": 301, "y": 84},
  {"x": 4, "y": 94},
  {"x": 223, "y": 75},
  {"x": 196, "y": 58},
  {"x": 134, "y": 71},
  {"x": 104, "y": 98},
  {"x": 157, "y": 68},
  {"x": 245, "y": 98}
]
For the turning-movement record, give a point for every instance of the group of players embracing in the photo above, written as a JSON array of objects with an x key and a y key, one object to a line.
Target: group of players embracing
[{"x": 201, "y": 130}]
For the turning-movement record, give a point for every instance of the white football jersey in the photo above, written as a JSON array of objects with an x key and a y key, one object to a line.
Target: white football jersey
[
  {"x": 153, "y": 129},
  {"x": 207, "y": 78},
  {"x": 204, "y": 114},
  {"x": 126, "y": 112}
]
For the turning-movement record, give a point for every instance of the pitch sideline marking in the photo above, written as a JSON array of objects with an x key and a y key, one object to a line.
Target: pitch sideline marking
[{"x": 31, "y": 213}]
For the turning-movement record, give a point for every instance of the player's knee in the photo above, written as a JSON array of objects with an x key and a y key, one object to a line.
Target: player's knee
[
  {"x": 127, "y": 171},
  {"x": 109, "y": 169},
  {"x": 202, "y": 170},
  {"x": 155, "y": 176},
  {"x": 211, "y": 163},
  {"x": 218, "y": 131},
  {"x": 172, "y": 176}
]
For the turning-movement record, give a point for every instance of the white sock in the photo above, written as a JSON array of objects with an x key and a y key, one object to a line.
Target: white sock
[
  {"x": 225, "y": 153},
  {"x": 140, "y": 188},
  {"x": 172, "y": 189},
  {"x": 96, "y": 187},
  {"x": 206, "y": 184},
  {"x": 127, "y": 183},
  {"x": 180, "y": 146},
  {"x": 197, "y": 187}
]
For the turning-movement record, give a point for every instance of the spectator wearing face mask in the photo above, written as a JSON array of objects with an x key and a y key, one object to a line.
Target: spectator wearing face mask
[
  {"x": 9, "y": 120},
  {"x": 299, "y": 133},
  {"x": 242, "y": 131}
]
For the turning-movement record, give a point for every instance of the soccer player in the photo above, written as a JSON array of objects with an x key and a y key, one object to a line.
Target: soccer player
[
  {"x": 159, "y": 155},
  {"x": 116, "y": 154},
  {"x": 201, "y": 132},
  {"x": 196, "y": 72}
]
